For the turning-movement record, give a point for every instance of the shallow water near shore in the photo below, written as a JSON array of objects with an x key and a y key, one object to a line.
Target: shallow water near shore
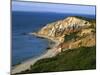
[{"x": 26, "y": 46}]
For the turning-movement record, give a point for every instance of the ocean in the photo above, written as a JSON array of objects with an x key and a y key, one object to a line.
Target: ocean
[{"x": 26, "y": 46}]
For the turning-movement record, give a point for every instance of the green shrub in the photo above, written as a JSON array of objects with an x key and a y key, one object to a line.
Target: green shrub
[
  {"x": 70, "y": 36},
  {"x": 83, "y": 58}
]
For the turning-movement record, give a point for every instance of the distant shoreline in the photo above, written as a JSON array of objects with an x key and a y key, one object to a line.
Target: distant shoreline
[{"x": 26, "y": 64}]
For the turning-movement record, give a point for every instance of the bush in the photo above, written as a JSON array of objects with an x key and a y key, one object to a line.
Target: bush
[{"x": 83, "y": 58}]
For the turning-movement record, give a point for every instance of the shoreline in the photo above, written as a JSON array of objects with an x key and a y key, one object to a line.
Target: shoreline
[{"x": 48, "y": 54}]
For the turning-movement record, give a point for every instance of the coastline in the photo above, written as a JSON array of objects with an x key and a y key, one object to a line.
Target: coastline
[{"x": 26, "y": 64}]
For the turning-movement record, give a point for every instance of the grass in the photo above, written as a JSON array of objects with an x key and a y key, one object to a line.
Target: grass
[{"x": 82, "y": 58}]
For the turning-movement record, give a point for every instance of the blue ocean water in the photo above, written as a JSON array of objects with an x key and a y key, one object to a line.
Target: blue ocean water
[{"x": 26, "y": 46}]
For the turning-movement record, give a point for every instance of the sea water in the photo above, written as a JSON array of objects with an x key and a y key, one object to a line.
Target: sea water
[{"x": 25, "y": 46}]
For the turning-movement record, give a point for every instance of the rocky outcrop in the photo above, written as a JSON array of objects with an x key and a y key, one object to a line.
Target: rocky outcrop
[{"x": 58, "y": 29}]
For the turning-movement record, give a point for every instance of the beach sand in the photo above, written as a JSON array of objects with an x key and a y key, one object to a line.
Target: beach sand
[{"x": 26, "y": 65}]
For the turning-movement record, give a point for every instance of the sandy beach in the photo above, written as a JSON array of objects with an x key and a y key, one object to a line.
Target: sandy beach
[{"x": 26, "y": 65}]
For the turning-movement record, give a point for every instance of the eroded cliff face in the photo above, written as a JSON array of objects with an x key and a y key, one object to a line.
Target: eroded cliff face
[{"x": 83, "y": 29}]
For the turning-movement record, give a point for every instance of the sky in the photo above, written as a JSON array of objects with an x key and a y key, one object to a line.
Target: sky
[{"x": 51, "y": 7}]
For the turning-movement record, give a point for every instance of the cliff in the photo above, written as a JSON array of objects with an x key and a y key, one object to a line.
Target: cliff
[
  {"x": 58, "y": 29},
  {"x": 71, "y": 32}
]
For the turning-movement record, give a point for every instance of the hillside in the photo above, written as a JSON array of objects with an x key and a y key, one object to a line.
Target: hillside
[{"x": 83, "y": 58}]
